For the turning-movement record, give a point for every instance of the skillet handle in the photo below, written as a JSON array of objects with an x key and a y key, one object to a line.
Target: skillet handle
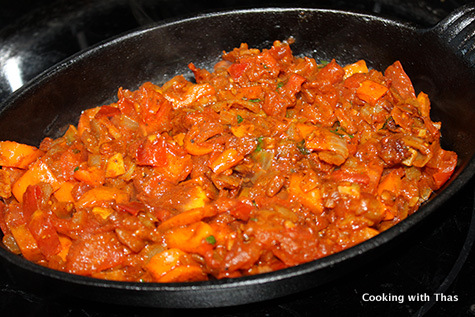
[{"x": 458, "y": 32}]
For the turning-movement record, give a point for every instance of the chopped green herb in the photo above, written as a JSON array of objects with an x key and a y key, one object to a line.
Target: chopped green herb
[
  {"x": 254, "y": 203},
  {"x": 348, "y": 134},
  {"x": 255, "y": 100},
  {"x": 259, "y": 144},
  {"x": 253, "y": 219},
  {"x": 210, "y": 239},
  {"x": 302, "y": 148},
  {"x": 290, "y": 113},
  {"x": 280, "y": 85},
  {"x": 385, "y": 125},
  {"x": 239, "y": 119},
  {"x": 323, "y": 63},
  {"x": 336, "y": 132},
  {"x": 76, "y": 168},
  {"x": 339, "y": 128}
]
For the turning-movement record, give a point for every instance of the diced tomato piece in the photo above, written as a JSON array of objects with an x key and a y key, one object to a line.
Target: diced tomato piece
[
  {"x": 133, "y": 207},
  {"x": 331, "y": 73},
  {"x": 153, "y": 151},
  {"x": 44, "y": 233},
  {"x": 237, "y": 70},
  {"x": 242, "y": 211},
  {"x": 250, "y": 93},
  {"x": 31, "y": 200},
  {"x": 293, "y": 85},
  {"x": 126, "y": 103},
  {"x": 400, "y": 81},
  {"x": 107, "y": 111},
  {"x": 241, "y": 256},
  {"x": 70, "y": 160},
  {"x": 446, "y": 161},
  {"x": 96, "y": 253}
]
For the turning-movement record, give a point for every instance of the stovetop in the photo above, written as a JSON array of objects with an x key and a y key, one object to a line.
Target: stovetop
[{"x": 435, "y": 259}]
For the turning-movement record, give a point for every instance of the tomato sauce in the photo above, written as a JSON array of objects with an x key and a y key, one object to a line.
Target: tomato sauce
[{"x": 266, "y": 162}]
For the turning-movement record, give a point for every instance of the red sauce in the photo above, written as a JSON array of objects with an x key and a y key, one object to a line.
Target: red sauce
[{"x": 267, "y": 162}]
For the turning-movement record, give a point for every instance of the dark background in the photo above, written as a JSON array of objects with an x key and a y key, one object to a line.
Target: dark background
[{"x": 438, "y": 257}]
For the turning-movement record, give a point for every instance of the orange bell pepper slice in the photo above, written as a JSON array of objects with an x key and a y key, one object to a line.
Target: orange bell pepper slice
[
  {"x": 14, "y": 154},
  {"x": 371, "y": 91}
]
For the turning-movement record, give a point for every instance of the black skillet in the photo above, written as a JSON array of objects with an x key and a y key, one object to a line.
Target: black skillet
[{"x": 440, "y": 61}]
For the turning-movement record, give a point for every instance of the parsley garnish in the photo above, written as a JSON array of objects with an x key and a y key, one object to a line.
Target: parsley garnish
[
  {"x": 210, "y": 239},
  {"x": 385, "y": 125},
  {"x": 239, "y": 119},
  {"x": 259, "y": 144},
  {"x": 302, "y": 148},
  {"x": 255, "y": 100},
  {"x": 339, "y": 128}
]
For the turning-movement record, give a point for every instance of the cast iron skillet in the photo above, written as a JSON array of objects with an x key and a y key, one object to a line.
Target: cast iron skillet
[{"x": 440, "y": 61}]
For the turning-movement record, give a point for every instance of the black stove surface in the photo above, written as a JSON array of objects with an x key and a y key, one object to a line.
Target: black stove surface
[{"x": 434, "y": 265}]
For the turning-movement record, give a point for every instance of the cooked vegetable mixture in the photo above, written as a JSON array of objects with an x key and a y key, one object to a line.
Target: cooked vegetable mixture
[{"x": 267, "y": 162}]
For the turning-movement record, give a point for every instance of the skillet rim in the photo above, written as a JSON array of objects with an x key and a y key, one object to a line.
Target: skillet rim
[
  {"x": 303, "y": 269},
  {"x": 168, "y": 22}
]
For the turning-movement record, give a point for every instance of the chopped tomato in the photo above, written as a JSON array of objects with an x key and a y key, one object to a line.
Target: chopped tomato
[{"x": 268, "y": 161}]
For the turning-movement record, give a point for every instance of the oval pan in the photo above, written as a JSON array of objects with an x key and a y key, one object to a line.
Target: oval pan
[{"x": 432, "y": 59}]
